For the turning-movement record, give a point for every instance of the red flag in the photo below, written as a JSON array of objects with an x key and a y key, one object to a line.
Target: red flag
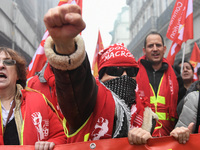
[
  {"x": 180, "y": 27},
  {"x": 99, "y": 47},
  {"x": 195, "y": 59},
  {"x": 39, "y": 57},
  {"x": 174, "y": 49}
]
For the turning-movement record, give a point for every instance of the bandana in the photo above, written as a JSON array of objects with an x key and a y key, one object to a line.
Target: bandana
[{"x": 124, "y": 87}]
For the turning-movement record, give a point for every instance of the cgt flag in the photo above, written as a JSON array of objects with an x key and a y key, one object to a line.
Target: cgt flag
[
  {"x": 39, "y": 58},
  {"x": 99, "y": 47},
  {"x": 195, "y": 59},
  {"x": 180, "y": 27}
]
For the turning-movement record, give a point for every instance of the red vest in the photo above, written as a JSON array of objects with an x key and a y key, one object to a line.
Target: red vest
[
  {"x": 100, "y": 123},
  {"x": 159, "y": 105},
  {"x": 38, "y": 121},
  {"x": 164, "y": 105},
  {"x": 47, "y": 88}
]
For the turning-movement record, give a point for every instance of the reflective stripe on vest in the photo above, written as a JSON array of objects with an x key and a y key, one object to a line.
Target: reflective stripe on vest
[
  {"x": 159, "y": 99},
  {"x": 86, "y": 136},
  {"x": 22, "y": 131}
]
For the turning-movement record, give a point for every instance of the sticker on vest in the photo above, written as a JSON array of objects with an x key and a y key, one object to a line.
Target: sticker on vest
[
  {"x": 101, "y": 129},
  {"x": 42, "y": 126}
]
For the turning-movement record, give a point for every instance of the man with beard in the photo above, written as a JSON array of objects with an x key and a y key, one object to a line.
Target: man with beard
[
  {"x": 157, "y": 80},
  {"x": 93, "y": 108}
]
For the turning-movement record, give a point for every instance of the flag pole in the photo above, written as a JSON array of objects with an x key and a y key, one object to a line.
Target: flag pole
[{"x": 183, "y": 57}]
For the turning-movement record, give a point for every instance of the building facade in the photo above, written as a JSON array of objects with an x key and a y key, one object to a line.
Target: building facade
[
  {"x": 121, "y": 33},
  {"x": 22, "y": 25},
  {"x": 154, "y": 15}
]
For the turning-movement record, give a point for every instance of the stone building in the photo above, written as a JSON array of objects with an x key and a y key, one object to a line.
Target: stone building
[
  {"x": 22, "y": 25},
  {"x": 151, "y": 15},
  {"x": 154, "y": 15}
]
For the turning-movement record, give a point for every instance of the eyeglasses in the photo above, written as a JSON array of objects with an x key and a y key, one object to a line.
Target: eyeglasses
[
  {"x": 118, "y": 71},
  {"x": 9, "y": 62}
]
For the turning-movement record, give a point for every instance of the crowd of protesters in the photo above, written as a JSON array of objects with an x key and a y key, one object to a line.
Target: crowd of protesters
[{"x": 130, "y": 99}]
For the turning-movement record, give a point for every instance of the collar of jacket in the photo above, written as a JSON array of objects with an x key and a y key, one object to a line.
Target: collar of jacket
[{"x": 148, "y": 65}]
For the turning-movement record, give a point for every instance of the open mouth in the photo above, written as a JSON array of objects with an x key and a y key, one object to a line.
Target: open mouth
[
  {"x": 185, "y": 74},
  {"x": 2, "y": 75},
  {"x": 155, "y": 55}
]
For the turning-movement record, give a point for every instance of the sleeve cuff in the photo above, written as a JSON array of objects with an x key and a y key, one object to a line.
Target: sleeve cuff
[{"x": 61, "y": 62}]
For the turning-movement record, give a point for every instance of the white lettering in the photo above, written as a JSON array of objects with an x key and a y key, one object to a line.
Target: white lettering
[
  {"x": 112, "y": 55},
  {"x": 123, "y": 53},
  {"x": 118, "y": 54},
  {"x": 174, "y": 18}
]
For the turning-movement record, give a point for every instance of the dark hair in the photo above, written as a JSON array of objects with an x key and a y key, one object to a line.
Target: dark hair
[
  {"x": 185, "y": 61},
  {"x": 198, "y": 71},
  {"x": 20, "y": 64},
  {"x": 102, "y": 72},
  {"x": 154, "y": 33}
]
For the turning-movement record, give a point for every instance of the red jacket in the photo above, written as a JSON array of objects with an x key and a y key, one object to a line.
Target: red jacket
[
  {"x": 44, "y": 82},
  {"x": 100, "y": 125},
  {"x": 35, "y": 120},
  {"x": 165, "y": 102}
]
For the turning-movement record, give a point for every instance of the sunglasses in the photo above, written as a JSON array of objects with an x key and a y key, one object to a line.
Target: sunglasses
[
  {"x": 118, "y": 71},
  {"x": 9, "y": 62}
]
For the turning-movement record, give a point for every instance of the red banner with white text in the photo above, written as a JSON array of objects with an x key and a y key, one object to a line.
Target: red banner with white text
[{"x": 163, "y": 143}]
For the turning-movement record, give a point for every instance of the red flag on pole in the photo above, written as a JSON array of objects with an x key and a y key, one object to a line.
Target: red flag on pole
[
  {"x": 99, "y": 47},
  {"x": 39, "y": 57},
  {"x": 180, "y": 27},
  {"x": 174, "y": 49},
  {"x": 195, "y": 59}
]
